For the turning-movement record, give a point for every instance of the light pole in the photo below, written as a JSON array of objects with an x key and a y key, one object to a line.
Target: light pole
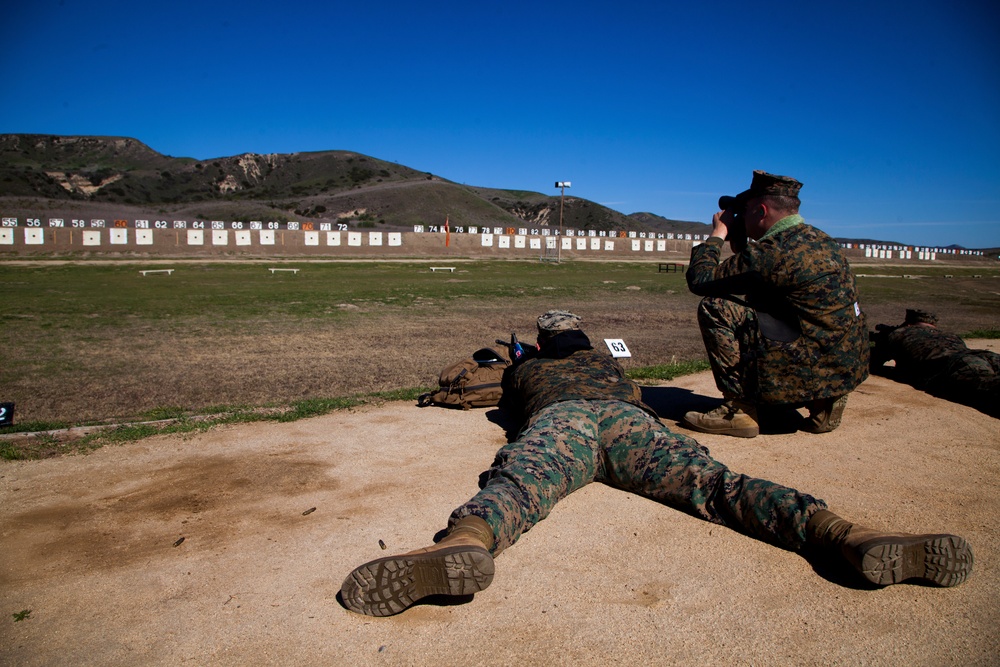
[{"x": 562, "y": 185}]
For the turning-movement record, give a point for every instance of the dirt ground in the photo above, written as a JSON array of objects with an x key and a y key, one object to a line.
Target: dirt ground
[{"x": 229, "y": 548}]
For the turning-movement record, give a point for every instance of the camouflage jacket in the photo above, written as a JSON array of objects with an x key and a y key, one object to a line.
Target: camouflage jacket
[
  {"x": 920, "y": 352},
  {"x": 800, "y": 277},
  {"x": 567, "y": 368}
]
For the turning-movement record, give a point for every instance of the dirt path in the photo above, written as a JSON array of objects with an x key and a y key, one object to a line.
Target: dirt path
[{"x": 92, "y": 546}]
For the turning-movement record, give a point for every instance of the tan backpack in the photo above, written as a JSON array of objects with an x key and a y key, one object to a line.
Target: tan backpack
[{"x": 473, "y": 382}]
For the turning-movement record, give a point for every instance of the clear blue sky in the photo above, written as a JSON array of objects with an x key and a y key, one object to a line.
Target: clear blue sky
[{"x": 888, "y": 111}]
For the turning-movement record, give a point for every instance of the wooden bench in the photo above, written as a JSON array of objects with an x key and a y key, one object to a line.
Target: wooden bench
[
  {"x": 670, "y": 267},
  {"x": 450, "y": 269},
  {"x": 292, "y": 270},
  {"x": 166, "y": 271}
]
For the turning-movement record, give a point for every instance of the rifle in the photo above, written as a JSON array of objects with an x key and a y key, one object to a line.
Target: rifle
[{"x": 878, "y": 341}]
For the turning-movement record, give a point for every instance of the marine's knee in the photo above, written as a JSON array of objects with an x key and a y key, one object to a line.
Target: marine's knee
[
  {"x": 715, "y": 311},
  {"x": 710, "y": 311},
  {"x": 709, "y": 305}
]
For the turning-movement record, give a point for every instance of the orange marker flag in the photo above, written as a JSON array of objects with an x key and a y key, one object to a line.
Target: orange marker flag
[{"x": 447, "y": 233}]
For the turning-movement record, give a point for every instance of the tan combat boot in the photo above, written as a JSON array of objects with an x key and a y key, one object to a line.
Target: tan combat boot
[
  {"x": 734, "y": 418},
  {"x": 460, "y": 564},
  {"x": 825, "y": 414},
  {"x": 889, "y": 558}
]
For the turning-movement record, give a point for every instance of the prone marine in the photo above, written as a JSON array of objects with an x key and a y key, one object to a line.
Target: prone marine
[
  {"x": 584, "y": 421},
  {"x": 937, "y": 362}
]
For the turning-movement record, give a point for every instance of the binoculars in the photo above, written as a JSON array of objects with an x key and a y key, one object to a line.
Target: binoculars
[{"x": 737, "y": 228}]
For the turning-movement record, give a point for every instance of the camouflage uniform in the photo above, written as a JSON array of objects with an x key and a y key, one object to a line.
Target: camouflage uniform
[
  {"x": 586, "y": 422},
  {"x": 940, "y": 363},
  {"x": 800, "y": 334}
]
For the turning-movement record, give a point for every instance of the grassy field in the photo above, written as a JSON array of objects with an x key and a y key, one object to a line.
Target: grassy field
[{"x": 91, "y": 343}]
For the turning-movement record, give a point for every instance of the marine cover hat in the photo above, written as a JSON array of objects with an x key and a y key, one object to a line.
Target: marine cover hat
[
  {"x": 558, "y": 320},
  {"x": 914, "y": 316},
  {"x": 763, "y": 184}
]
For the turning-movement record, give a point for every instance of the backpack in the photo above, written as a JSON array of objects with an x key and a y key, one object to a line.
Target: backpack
[{"x": 473, "y": 382}]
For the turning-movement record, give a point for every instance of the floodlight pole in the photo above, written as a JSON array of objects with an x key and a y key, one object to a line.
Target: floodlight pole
[{"x": 562, "y": 185}]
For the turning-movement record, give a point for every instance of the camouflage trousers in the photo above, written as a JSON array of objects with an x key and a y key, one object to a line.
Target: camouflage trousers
[
  {"x": 972, "y": 378},
  {"x": 730, "y": 332},
  {"x": 572, "y": 443}
]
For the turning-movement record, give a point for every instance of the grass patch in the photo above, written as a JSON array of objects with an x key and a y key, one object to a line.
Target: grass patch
[
  {"x": 992, "y": 334},
  {"x": 157, "y": 414},
  {"x": 94, "y": 344},
  {"x": 668, "y": 371},
  {"x": 93, "y": 297},
  {"x": 40, "y": 446},
  {"x": 98, "y": 343},
  {"x": 8, "y": 452},
  {"x": 33, "y": 426},
  {"x": 47, "y": 445},
  {"x": 936, "y": 287}
]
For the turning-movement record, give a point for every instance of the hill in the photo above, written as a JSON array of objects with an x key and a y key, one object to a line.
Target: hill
[
  {"x": 121, "y": 177},
  {"x": 660, "y": 224},
  {"x": 63, "y": 173}
]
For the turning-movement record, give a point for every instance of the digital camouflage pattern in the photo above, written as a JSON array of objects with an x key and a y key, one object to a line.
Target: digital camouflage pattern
[
  {"x": 572, "y": 443},
  {"x": 801, "y": 281},
  {"x": 558, "y": 320},
  {"x": 764, "y": 184},
  {"x": 586, "y": 422},
  {"x": 922, "y": 352},
  {"x": 941, "y": 364},
  {"x": 587, "y": 373},
  {"x": 916, "y": 316},
  {"x": 728, "y": 327}
]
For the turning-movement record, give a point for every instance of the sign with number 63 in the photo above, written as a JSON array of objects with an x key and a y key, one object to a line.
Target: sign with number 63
[{"x": 618, "y": 347}]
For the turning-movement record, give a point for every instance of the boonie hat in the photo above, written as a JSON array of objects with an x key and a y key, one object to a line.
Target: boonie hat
[
  {"x": 558, "y": 320},
  {"x": 762, "y": 185}
]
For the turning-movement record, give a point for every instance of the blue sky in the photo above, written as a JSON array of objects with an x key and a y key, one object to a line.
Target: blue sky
[{"x": 888, "y": 112}]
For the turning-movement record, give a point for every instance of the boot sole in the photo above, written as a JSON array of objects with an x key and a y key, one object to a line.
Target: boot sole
[
  {"x": 943, "y": 560},
  {"x": 388, "y": 586}
]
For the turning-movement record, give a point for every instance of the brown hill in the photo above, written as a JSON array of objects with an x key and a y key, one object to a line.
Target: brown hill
[{"x": 59, "y": 173}]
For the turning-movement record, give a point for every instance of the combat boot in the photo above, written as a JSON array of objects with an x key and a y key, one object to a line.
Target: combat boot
[
  {"x": 460, "y": 564},
  {"x": 735, "y": 418},
  {"x": 825, "y": 414},
  {"x": 889, "y": 558}
]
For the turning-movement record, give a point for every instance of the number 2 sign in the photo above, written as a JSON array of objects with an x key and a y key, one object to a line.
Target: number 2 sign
[{"x": 6, "y": 414}]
